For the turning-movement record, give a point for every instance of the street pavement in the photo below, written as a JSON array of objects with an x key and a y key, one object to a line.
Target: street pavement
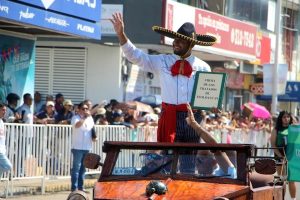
[{"x": 50, "y": 196}]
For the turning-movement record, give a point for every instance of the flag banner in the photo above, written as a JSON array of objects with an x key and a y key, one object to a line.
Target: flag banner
[{"x": 293, "y": 153}]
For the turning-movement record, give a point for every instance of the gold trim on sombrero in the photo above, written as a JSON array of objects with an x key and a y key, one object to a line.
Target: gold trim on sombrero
[{"x": 203, "y": 40}]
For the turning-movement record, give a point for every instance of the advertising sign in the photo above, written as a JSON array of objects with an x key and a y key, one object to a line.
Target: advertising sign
[
  {"x": 86, "y": 9},
  {"x": 208, "y": 90},
  {"x": 235, "y": 38},
  {"x": 17, "y": 65},
  {"x": 49, "y": 20},
  {"x": 292, "y": 93},
  {"x": 263, "y": 50},
  {"x": 233, "y": 35}
]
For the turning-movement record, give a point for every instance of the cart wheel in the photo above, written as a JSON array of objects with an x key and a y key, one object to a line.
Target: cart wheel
[{"x": 78, "y": 195}]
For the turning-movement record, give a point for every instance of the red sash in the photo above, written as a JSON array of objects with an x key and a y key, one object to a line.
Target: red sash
[{"x": 167, "y": 123}]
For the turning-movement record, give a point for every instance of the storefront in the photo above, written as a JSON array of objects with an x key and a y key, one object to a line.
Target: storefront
[
  {"x": 240, "y": 49},
  {"x": 22, "y": 21}
]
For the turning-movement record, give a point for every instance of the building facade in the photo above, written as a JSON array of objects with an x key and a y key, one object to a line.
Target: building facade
[{"x": 96, "y": 69}]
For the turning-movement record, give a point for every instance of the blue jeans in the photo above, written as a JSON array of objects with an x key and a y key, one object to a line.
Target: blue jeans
[
  {"x": 78, "y": 169},
  {"x": 5, "y": 164}
]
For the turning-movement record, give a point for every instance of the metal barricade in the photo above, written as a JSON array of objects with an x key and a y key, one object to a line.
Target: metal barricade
[{"x": 44, "y": 151}]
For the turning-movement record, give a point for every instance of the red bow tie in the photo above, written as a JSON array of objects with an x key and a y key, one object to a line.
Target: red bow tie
[{"x": 182, "y": 67}]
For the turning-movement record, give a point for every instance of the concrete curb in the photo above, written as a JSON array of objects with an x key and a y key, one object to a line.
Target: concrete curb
[
  {"x": 66, "y": 185},
  {"x": 33, "y": 187}
]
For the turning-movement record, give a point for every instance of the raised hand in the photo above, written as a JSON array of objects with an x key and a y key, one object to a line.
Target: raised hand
[
  {"x": 117, "y": 21},
  {"x": 191, "y": 118}
]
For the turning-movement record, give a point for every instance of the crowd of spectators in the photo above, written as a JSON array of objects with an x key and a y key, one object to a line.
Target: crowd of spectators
[
  {"x": 234, "y": 120},
  {"x": 59, "y": 110}
]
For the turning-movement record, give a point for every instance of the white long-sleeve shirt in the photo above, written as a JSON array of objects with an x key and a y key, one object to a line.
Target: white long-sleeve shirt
[
  {"x": 174, "y": 89},
  {"x": 82, "y": 136}
]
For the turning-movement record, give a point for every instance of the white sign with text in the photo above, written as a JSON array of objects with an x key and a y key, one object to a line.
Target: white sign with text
[{"x": 208, "y": 90}]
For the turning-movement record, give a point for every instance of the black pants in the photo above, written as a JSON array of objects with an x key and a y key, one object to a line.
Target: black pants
[{"x": 185, "y": 133}]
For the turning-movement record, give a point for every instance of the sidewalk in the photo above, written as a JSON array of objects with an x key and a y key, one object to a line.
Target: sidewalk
[
  {"x": 33, "y": 186},
  {"x": 50, "y": 196}
]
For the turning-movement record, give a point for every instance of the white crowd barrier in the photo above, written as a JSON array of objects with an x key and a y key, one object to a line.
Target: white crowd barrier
[{"x": 44, "y": 151}]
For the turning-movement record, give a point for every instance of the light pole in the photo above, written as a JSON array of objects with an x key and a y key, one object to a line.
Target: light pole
[{"x": 276, "y": 57}]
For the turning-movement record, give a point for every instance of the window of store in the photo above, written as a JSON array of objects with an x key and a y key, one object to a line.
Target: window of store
[
  {"x": 212, "y": 5},
  {"x": 255, "y": 11}
]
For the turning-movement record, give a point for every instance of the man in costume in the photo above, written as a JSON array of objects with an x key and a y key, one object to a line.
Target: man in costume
[{"x": 176, "y": 73}]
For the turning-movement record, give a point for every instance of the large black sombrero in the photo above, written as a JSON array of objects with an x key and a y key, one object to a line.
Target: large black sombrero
[{"x": 187, "y": 32}]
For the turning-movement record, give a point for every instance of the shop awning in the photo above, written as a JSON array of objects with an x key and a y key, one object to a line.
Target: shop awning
[
  {"x": 292, "y": 93},
  {"x": 55, "y": 17}
]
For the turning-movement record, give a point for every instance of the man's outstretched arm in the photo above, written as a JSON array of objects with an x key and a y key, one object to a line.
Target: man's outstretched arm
[{"x": 118, "y": 23}]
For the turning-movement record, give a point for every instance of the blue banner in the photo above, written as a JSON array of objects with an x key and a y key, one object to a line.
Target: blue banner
[
  {"x": 46, "y": 19},
  {"x": 87, "y": 9},
  {"x": 292, "y": 93},
  {"x": 17, "y": 64}
]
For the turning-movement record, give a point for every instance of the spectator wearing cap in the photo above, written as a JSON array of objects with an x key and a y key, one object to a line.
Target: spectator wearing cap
[
  {"x": 48, "y": 98},
  {"x": 94, "y": 108},
  {"x": 37, "y": 102},
  {"x": 59, "y": 99},
  {"x": 11, "y": 114},
  {"x": 48, "y": 115},
  {"x": 66, "y": 114},
  {"x": 25, "y": 110},
  {"x": 100, "y": 118}
]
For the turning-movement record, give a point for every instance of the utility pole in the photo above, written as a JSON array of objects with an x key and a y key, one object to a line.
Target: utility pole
[{"x": 276, "y": 62}]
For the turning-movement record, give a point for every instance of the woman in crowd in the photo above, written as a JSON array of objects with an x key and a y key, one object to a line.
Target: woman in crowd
[
  {"x": 47, "y": 116},
  {"x": 279, "y": 139},
  {"x": 66, "y": 114}
]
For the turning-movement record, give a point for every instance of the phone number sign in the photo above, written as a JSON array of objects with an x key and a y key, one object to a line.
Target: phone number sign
[{"x": 231, "y": 34}]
